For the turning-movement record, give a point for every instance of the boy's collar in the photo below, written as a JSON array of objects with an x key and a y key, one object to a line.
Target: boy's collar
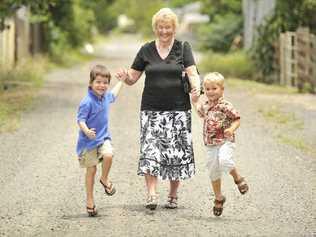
[
  {"x": 91, "y": 93},
  {"x": 220, "y": 99}
]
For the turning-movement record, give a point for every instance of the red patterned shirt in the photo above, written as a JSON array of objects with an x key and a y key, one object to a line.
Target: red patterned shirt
[{"x": 218, "y": 117}]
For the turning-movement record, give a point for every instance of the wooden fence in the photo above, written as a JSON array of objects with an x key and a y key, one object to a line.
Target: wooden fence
[
  {"x": 297, "y": 59},
  {"x": 7, "y": 43}
]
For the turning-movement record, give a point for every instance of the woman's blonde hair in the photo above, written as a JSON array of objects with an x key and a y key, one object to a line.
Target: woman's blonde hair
[
  {"x": 214, "y": 77},
  {"x": 165, "y": 14}
]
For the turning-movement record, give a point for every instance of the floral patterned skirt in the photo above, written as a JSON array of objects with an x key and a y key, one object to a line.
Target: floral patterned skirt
[{"x": 166, "y": 145}]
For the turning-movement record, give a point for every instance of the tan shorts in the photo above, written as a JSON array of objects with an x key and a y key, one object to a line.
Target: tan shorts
[{"x": 93, "y": 157}]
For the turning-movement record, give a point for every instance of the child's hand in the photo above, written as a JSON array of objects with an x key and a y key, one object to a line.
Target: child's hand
[
  {"x": 228, "y": 133},
  {"x": 121, "y": 74},
  {"x": 195, "y": 93},
  {"x": 200, "y": 110},
  {"x": 90, "y": 133}
]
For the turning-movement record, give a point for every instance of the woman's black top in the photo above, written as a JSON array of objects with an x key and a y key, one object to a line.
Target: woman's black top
[{"x": 163, "y": 89}]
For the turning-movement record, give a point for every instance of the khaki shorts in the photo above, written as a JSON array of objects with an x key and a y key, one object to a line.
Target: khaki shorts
[{"x": 93, "y": 157}]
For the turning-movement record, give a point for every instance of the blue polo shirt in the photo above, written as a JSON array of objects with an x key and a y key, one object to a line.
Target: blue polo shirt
[{"x": 94, "y": 112}]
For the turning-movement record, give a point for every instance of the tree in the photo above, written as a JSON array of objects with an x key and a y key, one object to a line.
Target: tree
[
  {"x": 225, "y": 24},
  {"x": 288, "y": 16}
]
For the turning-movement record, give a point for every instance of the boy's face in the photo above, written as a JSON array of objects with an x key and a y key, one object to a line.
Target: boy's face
[
  {"x": 213, "y": 91},
  {"x": 100, "y": 85}
]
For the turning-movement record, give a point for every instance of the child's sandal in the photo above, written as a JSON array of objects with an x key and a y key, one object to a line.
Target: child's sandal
[
  {"x": 242, "y": 185},
  {"x": 92, "y": 211},
  {"x": 109, "y": 190},
  {"x": 218, "y": 210}
]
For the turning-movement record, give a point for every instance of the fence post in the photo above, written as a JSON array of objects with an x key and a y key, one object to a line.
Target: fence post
[
  {"x": 287, "y": 60},
  {"x": 306, "y": 59}
]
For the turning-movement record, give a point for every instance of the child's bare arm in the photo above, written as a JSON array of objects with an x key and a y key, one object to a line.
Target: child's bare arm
[
  {"x": 230, "y": 131},
  {"x": 89, "y": 132},
  {"x": 116, "y": 89}
]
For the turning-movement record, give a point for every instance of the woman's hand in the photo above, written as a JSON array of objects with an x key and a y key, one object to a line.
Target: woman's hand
[
  {"x": 195, "y": 94},
  {"x": 121, "y": 74}
]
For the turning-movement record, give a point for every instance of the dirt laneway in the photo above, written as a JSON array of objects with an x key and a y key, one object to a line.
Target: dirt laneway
[{"x": 42, "y": 192}]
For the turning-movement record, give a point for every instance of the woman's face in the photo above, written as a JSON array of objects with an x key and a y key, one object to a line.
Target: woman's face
[{"x": 165, "y": 31}]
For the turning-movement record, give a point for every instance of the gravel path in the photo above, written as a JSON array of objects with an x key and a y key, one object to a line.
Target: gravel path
[{"x": 42, "y": 192}]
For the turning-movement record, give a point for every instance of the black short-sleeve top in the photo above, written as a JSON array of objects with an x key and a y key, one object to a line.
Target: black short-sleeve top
[{"x": 163, "y": 90}]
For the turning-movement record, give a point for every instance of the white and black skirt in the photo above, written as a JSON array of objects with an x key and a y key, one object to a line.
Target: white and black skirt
[{"x": 166, "y": 145}]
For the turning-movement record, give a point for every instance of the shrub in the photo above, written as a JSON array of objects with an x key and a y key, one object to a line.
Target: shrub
[{"x": 235, "y": 64}]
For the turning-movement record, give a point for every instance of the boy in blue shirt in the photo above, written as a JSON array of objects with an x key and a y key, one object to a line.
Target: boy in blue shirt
[{"x": 94, "y": 142}]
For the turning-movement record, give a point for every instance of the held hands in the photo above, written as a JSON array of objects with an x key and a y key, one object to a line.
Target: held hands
[
  {"x": 195, "y": 94},
  {"x": 121, "y": 75},
  {"x": 90, "y": 133}
]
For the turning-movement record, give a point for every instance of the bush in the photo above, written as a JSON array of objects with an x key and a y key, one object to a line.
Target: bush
[
  {"x": 220, "y": 34},
  {"x": 236, "y": 64}
]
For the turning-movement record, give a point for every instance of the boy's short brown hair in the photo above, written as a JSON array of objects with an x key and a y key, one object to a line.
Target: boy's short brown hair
[{"x": 99, "y": 70}]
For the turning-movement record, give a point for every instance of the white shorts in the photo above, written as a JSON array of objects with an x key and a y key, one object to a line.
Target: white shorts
[
  {"x": 220, "y": 159},
  {"x": 93, "y": 157}
]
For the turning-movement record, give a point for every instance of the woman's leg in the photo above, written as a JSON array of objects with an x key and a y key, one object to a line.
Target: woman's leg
[
  {"x": 174, "y": 185},
  {"x": 90, "y": 174},
  {"x": 151, "y": 183},
  {"x": 152, "y": 199}
]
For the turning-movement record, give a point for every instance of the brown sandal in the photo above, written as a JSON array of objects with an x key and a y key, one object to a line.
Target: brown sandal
[
  {"x": 109, "y": 190},
  {"x": 242, "y": 185},
  {"x": 92, "y": 211},
  {"x": 217, "y": 211}
]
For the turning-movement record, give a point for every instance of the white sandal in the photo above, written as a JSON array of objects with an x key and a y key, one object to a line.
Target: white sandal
[
  {"x": 172, "y": 202},
  {"x": 152, "y": 202}
]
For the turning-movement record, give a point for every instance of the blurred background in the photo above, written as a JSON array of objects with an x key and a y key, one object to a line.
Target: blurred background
[{"x": 267, "y": 41}]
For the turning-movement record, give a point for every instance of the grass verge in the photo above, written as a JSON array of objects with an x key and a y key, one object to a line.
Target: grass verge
[{"x": 19, "y": 86}]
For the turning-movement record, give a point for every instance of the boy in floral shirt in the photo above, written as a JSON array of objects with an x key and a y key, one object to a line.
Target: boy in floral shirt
[{"x": 220, "y": 122}]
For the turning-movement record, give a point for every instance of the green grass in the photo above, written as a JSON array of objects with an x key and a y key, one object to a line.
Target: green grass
[
  {"x": 287, "y": 129},
  {"x": 298, "y": 143},
  {"x": 235, "y": 64},
  {"x": 275, "y": 115},
  {"x": 256, "y": 87},
  {"x": 18, "y": 87}
]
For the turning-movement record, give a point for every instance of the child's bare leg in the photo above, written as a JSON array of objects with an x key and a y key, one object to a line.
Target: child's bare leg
[
  {"x": 235, "y": 174},
  {"x": 90, "y": 174},
  {"x": 106, "y": 166},
  {"x": 151, "y": 183},
  {"x": 216, "y": 184},
  {"x": 239, "y": 181},
  {"x": 174, "y": 185}
]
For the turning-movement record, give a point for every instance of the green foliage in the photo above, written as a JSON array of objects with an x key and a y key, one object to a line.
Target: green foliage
[
  {"x": 288, "y": 16},
  {"x": 142, "y": 18},
  {"x": 104, "y": 13},
  {"x": 74, "y": 22},
  {"x": 225, "y": 24},
  {"x": 221, "y": 7},
  {"x": 236, "y": 64},
  {"x": 179, "y": 3},
  {"x": 219, "y": 34}
]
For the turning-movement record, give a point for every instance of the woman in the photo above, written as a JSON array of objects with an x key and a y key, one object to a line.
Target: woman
[{"x": 166, "y": 141}]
